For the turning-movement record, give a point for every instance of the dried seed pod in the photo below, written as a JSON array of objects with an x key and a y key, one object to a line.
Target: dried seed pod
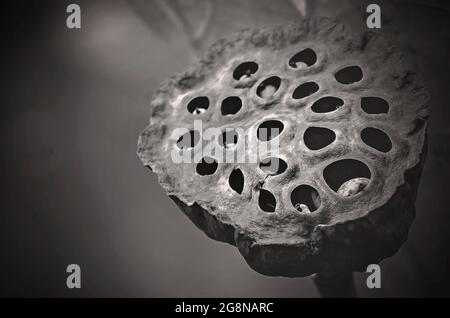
[{"x": 351, "y": 125}]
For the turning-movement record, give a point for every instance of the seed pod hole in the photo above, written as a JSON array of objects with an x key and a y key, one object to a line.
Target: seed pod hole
[
  {"x": 236, "y": 180},
  {"x": 327, "y": 104},
  {"x": 273, "y": 166},
  {"x": 245, "y": 70},
  {"x": 188, "y": 140},
  {"x": 198, "y": 105},
  {"x": 376, "y": 139},
  {"x": 316, "y": 138},
  {"x": 268, "y": 87},
  {"x": 207, "y": 166},
  {"x": 231, "y": 105},
  {"x": 305, "y": 90},
  {"x": 305, "y": 198},
  {"x": 374, "y": 105},
  {"x": 349, "y": 75},
  {"x": 303, "y": 59},
  {"x": 353, "y": 186},
  {"x": 341, "y": 171},
  {"x": 266, "y": 201},
  {"x": 269, "y": 130}
]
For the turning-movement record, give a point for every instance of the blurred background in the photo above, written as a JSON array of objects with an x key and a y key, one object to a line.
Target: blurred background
[{"x": 73, "y": 191}]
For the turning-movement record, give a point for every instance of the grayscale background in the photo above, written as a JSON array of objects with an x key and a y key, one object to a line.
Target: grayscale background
[{"x": 73, "y": 191}]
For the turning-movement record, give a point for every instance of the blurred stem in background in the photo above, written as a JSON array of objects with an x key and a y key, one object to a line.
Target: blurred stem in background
[
  {"x": 174, "y": 13},
  {"x": 335, "y": 285}
]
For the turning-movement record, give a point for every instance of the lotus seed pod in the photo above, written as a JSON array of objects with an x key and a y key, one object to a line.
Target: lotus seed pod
[{"x": 349, "y": 117}]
